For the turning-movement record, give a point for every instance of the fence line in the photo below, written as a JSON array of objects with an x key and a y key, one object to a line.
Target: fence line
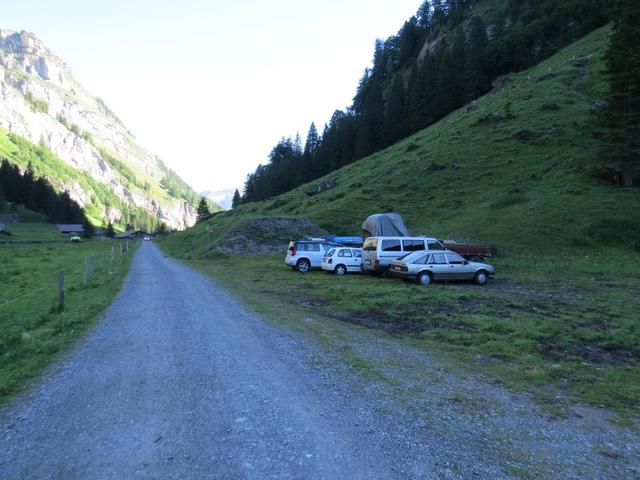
[{"x": 60, "y": 278}]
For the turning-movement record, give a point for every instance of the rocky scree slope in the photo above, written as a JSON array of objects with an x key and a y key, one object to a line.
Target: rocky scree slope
[{"x": 41, "y": 101}]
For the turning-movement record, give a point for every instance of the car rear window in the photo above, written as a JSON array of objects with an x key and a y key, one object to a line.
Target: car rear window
[
  {"x": 370, "y": 244},
  {"x": 391, "y": 246}
]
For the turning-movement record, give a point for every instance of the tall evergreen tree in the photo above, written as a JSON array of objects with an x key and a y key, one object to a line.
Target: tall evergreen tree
[
  {"x": 395, "y": 120},
  {"x": 203, "y": 210},
  {"x": 424, "y": 15},
  {"x": 476, "y": 82},
  {"x": 621, "y": 149},
  {"x": 235, "y": 201},
  {"x": 109, "y": 231}
]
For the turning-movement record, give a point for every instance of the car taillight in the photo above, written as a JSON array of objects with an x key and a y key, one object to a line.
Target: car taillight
[
  {"x": 330, "y": 261},
  {"x": 293, "y": 252},
  {"x": 376, "y": 263}
]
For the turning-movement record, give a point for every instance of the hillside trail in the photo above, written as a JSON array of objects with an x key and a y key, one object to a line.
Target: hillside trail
[{"x": 179, "y": 380}]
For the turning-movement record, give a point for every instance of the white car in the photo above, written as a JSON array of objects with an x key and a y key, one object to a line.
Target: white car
[{"x": 341, "y": 260}]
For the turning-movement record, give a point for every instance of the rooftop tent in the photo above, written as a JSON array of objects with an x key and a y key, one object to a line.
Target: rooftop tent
[{"x": 385, "y": 224}]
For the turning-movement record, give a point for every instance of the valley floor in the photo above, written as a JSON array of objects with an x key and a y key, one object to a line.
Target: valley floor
[{"x": 181, "y": 381}]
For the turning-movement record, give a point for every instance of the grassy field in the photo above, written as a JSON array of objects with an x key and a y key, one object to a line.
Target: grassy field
[
  {"x": 517, "y": 170},
  {"x": 33, "y": 331}
]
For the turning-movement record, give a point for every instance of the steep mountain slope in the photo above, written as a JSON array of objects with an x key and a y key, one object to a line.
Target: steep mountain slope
[
  {"x": 42, "y": 102},
  {"x": 513, "y": 169}
]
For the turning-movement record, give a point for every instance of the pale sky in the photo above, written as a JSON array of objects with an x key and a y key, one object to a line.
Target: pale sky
[{"x": 211, "y": 86}]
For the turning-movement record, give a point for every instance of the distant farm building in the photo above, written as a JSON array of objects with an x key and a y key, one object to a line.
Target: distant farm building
[{"x": 68, "y": 228}]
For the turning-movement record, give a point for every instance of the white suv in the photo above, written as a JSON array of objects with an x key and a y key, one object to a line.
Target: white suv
[{"x": 305, "y": 254}]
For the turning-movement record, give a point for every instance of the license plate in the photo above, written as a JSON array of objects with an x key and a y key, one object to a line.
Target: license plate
[{"x": 368, "y": 262}]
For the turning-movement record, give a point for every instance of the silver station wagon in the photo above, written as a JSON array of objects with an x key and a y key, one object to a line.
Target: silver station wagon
[{"x": 425, "y": 267}]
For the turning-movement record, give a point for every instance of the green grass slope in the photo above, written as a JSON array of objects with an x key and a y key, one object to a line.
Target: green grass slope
[{"x": 513, "y": 172}]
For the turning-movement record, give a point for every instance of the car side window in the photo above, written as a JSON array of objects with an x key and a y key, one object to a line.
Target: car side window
[
  {"x": 455, "y": 259},
  {"x": 391, "y": 246},
  {"x": 314, "y": 247},
  {"x": 435, "y": 246},
  {"x": 437, "y": 259},
  {"x": 345, "y": 253},
  {"x": 422, "y": 260},
  {"x": 412, "y": 245},
  {"x": 357, "y": 253}
]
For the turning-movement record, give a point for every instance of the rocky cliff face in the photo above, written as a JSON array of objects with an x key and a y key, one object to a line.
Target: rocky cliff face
[{"x": 41, "y": 101}]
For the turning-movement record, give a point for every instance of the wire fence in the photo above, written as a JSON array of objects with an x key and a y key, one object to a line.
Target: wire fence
[{"x": 90, "y": 268}]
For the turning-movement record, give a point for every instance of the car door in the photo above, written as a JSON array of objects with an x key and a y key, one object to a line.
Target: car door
[
  {"x": 390, "y": 249},
  {"x": 345, "y": 257},
  {"x": 458, "y": 267},
  {"x": 438, "y": 266},
  {"x": 357, "y": 260}
]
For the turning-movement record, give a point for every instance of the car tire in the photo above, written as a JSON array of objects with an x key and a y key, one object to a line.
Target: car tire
[
  {"x": 424, "y": 278},
  {"x": 340, "y": 270},
  {"x": 303, "y": 265},
  {"x": 481, "y": 277}
]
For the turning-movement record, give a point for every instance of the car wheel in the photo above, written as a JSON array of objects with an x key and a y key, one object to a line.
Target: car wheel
[
  {"x": 481, "y": 277},
  {"x": 476, "y": 259},
  {"x": 340, "y": 270},
  {"x": 303, "y": 265},
  {"x": 424, "y": 278}
]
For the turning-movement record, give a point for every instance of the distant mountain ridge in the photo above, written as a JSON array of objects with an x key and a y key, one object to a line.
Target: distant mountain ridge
[
  {"x": 222, "y": 198},
  {"x": 118, "y": 180}
]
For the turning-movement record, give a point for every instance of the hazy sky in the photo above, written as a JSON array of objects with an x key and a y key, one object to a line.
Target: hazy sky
[{"x": 211, "y": 86}]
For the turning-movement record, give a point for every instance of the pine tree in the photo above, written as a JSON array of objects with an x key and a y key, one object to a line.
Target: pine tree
[
  {"x": 621, "y": 120},
  {"x": 395, "y": 121},
  {"x": 110, "y": 232},
  {"x": 235, "y": 201},
  {"x": 89, "y": 229},
  {"x": 476, "y": 82},
  {"x": 424, "y": 15},
  {"x": 203, "y": 210}
]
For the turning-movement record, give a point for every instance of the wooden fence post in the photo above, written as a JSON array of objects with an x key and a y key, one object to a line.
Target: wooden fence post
[
  {"x": 121, "y": 248},
  {"x": 60, "y": 290},
  {"x": 112, "y": 253},
  {"x": 86, "y": 271}
]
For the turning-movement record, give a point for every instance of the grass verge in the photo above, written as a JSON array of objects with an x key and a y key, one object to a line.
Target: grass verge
[{"x": 33, "y": 332}]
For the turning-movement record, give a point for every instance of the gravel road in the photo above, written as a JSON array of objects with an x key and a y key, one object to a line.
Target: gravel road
[{"x": 179, "y": 380}]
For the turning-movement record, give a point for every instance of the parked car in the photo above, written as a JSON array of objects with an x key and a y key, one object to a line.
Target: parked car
[
  {"x": 379, "y": 252},
  {"x": 341, "y": 260},
  {"x": 425, "y": 267},
  {"x": 305, "y": 254},
  {"x": 75, "y": 239}
]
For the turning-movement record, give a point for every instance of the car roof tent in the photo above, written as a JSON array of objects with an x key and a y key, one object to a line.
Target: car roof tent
[{"x": 385, "y": 225}]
